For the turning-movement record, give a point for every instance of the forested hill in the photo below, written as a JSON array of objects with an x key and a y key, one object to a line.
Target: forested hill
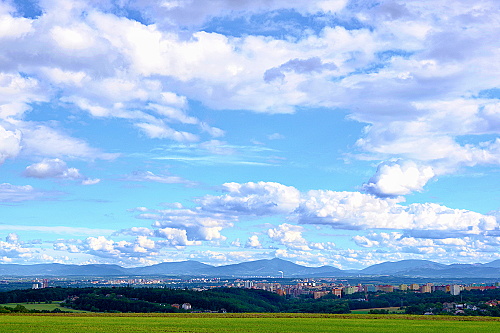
[{"x": 128, "y": 299}]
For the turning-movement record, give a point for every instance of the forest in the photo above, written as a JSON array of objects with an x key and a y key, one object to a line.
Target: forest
[{"x": 238, "y": 300}]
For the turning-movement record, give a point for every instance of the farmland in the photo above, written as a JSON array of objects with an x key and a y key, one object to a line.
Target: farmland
[
  {"x": 41, "y": 306},
  {"x": 243, "y": 323}
]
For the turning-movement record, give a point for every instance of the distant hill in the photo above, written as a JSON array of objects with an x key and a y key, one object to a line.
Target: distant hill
[
  {"x": 189, "y": 267},
  {"x": 260, "y": 268},
  {"x": 60, "y": 270},
  {"x": 273, "y": 268},
  {"x": 400, "y": 267}
]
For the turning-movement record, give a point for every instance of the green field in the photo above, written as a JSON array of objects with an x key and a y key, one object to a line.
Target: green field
[
  {"x": 41, "y": 306},
  {"x": 262, "y": 323}
]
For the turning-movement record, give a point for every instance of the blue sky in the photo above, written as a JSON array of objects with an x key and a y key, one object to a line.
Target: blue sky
[{"x": 342, "y": 133}]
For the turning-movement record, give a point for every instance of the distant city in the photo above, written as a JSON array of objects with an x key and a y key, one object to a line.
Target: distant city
[{"x": 316, "y": 288}]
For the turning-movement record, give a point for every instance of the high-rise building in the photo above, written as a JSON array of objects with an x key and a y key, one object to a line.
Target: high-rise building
[{"x": 455, "y": 289}]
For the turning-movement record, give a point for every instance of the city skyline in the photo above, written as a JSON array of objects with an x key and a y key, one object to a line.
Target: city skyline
[{"x": 341, "y": 133}]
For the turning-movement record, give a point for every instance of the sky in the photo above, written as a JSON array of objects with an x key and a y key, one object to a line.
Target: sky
[{"x": 323, "y": 132}]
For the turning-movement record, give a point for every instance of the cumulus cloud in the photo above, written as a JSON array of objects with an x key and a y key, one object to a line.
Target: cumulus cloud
[
  {"x": 10, "y": 144},
  {"x": 290, "y": 236},
  {"x": 253, "y": 242},
  {"x": 182, "y": 227},
  {"x": 400, "y": 243},
  {"x": 56, "y": 168},
  {"x": 354, "y": 210},
  {"x": 103, "y": 247},
  {"x": 398, "y": 178},
  {"x": 338, "y": 210},
  {"x": 13, "y": 248},
  {"x": 174, "y": 237},
  {"x": 262, "y": 198},
  {"x": 436, "y": 128},
  {"x": 52, "y": 168},
  {"x": 16, "y": 93},
  {"x": 198, "y": 227}
]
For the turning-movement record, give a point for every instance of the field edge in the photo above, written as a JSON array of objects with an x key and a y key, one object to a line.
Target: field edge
[{"x": 264, "y": 315}]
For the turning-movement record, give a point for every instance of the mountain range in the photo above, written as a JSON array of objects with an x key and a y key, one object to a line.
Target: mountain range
[{"x": 260, "y": 268}]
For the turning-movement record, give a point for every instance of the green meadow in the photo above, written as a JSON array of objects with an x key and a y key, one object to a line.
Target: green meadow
[
  {"x": 42, "y": 306},
  {"x": 262, "y": 323}
]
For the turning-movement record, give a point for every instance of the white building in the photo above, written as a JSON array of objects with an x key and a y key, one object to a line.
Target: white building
[{"x": 455, "y": 289}]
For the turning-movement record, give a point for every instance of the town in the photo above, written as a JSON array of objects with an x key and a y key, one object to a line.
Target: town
[{"x": 315, "y": 288}]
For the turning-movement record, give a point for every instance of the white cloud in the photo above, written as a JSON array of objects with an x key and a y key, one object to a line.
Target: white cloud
[
  {"x": 14, "y": 27},
  {"x": 10, "y": 144},
  {"x": 57, "y": 168},
  {"x": 162, "y": 131},
  {"x": 217, "y": 147},
  {"x": 275, "y": 136},
  {"x": 13, "y": 248},
  {"x": 187, "y": 13},
  {"x": 91, "y": 181},
  {"x": 300, "y": 66},
  {"x": 60, "y": 76},
  {"x": 436, "y": 128},
  {"x": 198, "y": 228},
  {"x": 414, "y": 72},
  {"x": 108, "y": 248},
  {"x": 76, "y": 231},
  {"x": 174, "y": 237},
  {"x": 290, "y": 236},
  {"x": 236, "y": 243},
  {"x": 148, "y": 176},
  {"x": 52, "y": 168},
  {"x": 338, "y": 210},
  {"x": 253, "y": 242},
  {"x": 17, "y": 92},
  {"x": 398, "y": 178},
  {"x": 75, "y": 38},
  {"x": 41, "y": 140},
  {"x": 397, "y": 75},
  {"x": 16, "y": 193},
  {"x": 353, "y": 210},
  {"x": 433, "y": 248},
  {"x": 262, "y": 198},
  {"x": 71, "y": 248},
  {"x": 193, "y": 224}
]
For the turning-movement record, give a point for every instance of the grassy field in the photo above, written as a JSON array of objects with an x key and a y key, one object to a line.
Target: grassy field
[
  {"x": 41, "y": 306},
  {"x": 261, "y": 323}
]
